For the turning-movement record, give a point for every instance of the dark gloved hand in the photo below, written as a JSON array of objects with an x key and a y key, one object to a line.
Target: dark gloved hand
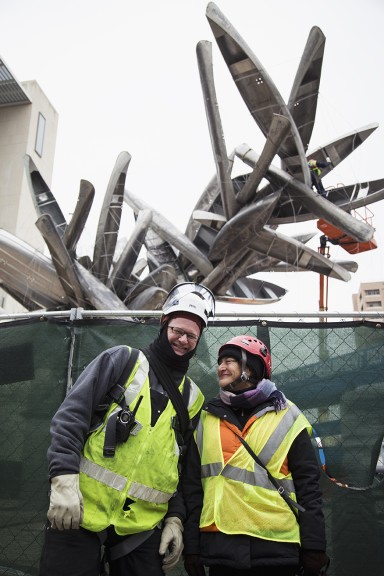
[
  {"x": 313, "y": 562},
  {"x": 193, "y": 565}
]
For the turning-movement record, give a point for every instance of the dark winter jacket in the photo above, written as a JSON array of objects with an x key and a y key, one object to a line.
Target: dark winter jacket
[
  {"x": 71, "y": 424},
  {"x": 243, "y": 551}
]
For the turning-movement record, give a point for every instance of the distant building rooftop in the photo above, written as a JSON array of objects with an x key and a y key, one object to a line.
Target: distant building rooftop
[{"x": 11, "y": 91}]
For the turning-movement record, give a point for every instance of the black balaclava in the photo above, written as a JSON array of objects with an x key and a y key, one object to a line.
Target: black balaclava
[
  {"x": 164, "y": 351},
  {"x": 176, "y": 366}
]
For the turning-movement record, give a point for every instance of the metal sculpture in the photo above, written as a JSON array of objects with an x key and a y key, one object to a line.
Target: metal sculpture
[{"x": 232, "y": 232}]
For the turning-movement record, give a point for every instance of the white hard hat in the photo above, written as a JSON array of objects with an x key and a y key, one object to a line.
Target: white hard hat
[{"x": 192, "y": 298}]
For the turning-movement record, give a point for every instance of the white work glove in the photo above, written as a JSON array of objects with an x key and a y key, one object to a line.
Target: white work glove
[
  {"x": 66, "y": 502},
  {"x": 328, "y": 159},
  {"x": 171, "y": 543}
]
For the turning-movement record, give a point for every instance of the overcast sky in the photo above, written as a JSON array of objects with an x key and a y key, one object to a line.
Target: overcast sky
[{"x": 123, "y": 75}]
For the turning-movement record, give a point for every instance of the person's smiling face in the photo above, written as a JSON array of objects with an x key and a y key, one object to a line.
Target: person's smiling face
[
  {"x": 183, "y": 334},
  {"x": 229, "y": 370}
]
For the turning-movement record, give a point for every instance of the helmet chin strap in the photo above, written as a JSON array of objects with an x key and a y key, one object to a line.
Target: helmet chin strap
[{"x": 243, "y": 376}]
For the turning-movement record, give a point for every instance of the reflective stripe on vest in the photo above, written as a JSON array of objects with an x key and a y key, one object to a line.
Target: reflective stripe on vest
[
  {"x": 102, "y": 475},
  {"x": 315, "y": 169},
  {"x": 144, "y": 469},
  {"x": 278, "y": 435},
  {"x": 133, "y": 390},
  {"x": 258, "y": 477},
  {"x": 113, "y": 480},
  {"x": 238, "y": 496}
]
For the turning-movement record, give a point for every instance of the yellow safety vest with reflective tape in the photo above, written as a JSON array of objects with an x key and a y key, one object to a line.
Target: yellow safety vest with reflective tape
[
  {"x": 144, "y": 468},
  {"x": 238, "y": 496},
  {"x": 313, "y": 167}
]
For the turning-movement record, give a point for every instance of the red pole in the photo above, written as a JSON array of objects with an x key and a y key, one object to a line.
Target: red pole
[{"x": 323, "y": 293}]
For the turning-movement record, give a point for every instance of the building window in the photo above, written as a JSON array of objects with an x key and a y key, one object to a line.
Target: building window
[
  {"x": 372, "y": 292},
  {"x": 40, "y": 135},
  {"x": 373, "y": 304}
]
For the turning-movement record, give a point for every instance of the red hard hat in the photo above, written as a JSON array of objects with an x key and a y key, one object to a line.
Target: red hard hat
[{"x": 252, "y": 346}]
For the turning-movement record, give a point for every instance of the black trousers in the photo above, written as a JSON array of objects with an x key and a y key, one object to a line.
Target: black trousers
[
  {"x": 317, "y": 183},
  {"x": 78, "y": 553},
  {"x": 257, "y": 571}
]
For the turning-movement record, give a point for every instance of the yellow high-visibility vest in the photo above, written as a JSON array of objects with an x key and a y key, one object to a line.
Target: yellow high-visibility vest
[
  {"x": 238, "y": 496},
  {"x": 313, "y": 167},
  {"x": 144, "y": 468}
]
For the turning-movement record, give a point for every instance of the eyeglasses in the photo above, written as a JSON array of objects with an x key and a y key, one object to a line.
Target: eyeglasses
[{"x": 180, "y": 333}]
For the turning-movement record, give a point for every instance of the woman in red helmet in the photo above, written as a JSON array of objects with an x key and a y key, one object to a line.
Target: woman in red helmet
[{"x": 253, "y": 508}]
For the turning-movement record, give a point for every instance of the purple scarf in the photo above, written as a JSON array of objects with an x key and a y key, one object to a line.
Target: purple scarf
[{"x": 266, "y": 390}]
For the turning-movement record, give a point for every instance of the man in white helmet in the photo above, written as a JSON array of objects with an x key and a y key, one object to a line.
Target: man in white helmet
[{"x": 116, "y": 446}]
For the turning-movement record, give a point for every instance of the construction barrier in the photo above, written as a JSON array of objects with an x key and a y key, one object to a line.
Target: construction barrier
[{"x": 334, "y": 371}]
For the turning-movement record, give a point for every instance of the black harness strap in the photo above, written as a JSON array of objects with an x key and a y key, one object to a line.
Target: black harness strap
[
  {"x": 127, "y": 545},
  {"x": 173, "y": 392},
  {"x": 119, "y": 426},
  {"x": 291, "y": 503},
  {"x": 114, "y": 395},
  {"x": 110, "y": 436},
  {"x": 116, "y": 392}
]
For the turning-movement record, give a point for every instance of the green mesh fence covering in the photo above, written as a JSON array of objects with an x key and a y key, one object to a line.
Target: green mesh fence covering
[{"x": 333, "y": 371}]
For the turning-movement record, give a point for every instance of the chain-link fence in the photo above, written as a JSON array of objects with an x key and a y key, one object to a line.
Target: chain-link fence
[{"x": 334, "y": 371}]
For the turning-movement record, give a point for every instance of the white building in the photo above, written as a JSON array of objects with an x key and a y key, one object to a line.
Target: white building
[
  {"x": 28, "y": 125},
  {"x": 370, "y": 297}
]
